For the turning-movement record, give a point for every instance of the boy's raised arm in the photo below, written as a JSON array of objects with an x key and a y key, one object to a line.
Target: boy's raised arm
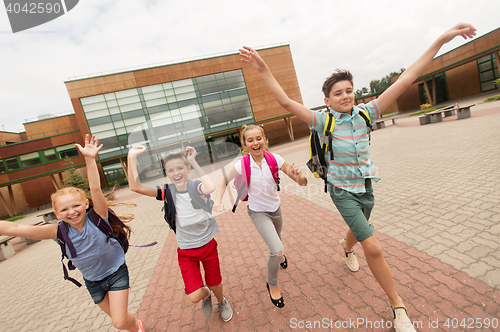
[
  {"x": 250, "y": 56},
  {"x": 413, "y": 72},
  {"x": 133, "y": 178},
  {"x": 208, "y": 186}
]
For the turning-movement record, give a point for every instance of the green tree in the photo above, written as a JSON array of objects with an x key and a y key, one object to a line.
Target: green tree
[
  {"x": 378, "y": 86},
  {"x": 75, "y": 178},
  {"x": 361, "y": 92}
]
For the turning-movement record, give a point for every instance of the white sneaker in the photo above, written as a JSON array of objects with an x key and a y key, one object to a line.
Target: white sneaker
[
  {"x": 350, "y": 258},
  {"x": 206, "y": 304},
  {"x": 226, "y": 313},
  {"x": 401, "y": 321}
]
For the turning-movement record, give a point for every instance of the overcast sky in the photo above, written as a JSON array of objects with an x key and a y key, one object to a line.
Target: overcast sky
[{"x": 370, "y": 38}]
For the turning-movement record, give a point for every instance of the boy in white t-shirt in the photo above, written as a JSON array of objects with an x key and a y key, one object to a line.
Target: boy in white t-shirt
[{"x": 194, "y": 228}]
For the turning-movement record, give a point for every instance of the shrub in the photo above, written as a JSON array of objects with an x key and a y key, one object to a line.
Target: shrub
[{"x": 424, "y": 106}]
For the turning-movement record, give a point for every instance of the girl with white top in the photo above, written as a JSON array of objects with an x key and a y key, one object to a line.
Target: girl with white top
[{"x": 263, "y": 201}]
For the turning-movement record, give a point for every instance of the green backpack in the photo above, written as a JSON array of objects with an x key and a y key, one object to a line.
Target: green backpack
[{"x": 318, "y": 148}]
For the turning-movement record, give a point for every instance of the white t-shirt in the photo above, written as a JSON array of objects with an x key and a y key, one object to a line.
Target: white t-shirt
[
  {"x": 185, "y": 213},
  {"x": 262, "y": 193}
]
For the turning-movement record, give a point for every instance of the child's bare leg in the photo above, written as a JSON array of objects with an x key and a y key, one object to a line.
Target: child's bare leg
[
  {"x": 350, "y": 241},
  {"x": 218, "y": 292},
  {"x": 115, "y": 304},
  {"x": 198, "y": 294},
  {"x": 380, "y": 269}
]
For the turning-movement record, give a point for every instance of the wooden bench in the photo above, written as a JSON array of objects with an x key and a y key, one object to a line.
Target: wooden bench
[
  {"x": 6, "y": 247},
  {"x": 437, "y": 115}
]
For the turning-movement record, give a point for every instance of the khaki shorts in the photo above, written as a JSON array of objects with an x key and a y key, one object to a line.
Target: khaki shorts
[{"x": 355, "y": 209}]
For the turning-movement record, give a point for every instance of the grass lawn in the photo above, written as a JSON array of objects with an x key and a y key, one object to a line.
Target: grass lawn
[
  {"x": 15, "y": 218},
  {"x": 497, "y": 97}
]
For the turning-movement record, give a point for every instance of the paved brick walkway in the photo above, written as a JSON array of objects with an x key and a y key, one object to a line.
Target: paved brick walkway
[{"x": 436, "y": 216}]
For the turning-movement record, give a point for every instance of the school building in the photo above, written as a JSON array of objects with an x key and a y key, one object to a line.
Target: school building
[
  {"x": 202, "y": 103},
  {"x": 166, "y": 107}
]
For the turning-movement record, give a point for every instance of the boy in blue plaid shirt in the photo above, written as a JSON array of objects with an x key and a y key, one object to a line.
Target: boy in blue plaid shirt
[{"x": 351, "y": 173}]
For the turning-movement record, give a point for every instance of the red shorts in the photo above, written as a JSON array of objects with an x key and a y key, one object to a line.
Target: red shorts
[{"x": 189, "y": 262}]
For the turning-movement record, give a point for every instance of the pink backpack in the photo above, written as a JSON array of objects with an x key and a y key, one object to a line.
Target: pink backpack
[{"x": 242, "y": 181}]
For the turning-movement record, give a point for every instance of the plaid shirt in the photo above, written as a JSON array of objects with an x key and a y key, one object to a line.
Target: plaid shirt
[{"x": 352, "y": 163}]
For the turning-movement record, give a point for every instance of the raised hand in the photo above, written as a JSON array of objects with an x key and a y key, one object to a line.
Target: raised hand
[
  {"x": 250, "y": 56},
  {"x": 465, "y": 30},
  {"x": 91, "y": 148},
  {"x": 136, "y": 150},
  {"x": 191, "y": 153}
]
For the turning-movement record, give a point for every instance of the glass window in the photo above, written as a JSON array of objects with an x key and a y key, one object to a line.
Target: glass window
[
  {"x": 130, "y": 107},
  {"x": 487, "y": 86},
  {"x": 2, "y": 167},
  {"x": 31, "y": 162},
  {"x": 112, "y": 103},
  {"x": 151, "y": 88},
  {"x": 154, "y": 95},
  {"x": 156, "y": 102},
  {"x": 94, "y": 107},
  {"x": 180, "y": 83},
  {"x": 30, "y": 159},
  {"x": 132, "y": 114},
  {"x": 186, "y": 96},
  {"x": 114, "y": 110},
  {"x": 485, "y": 66},
  {"x": 109, "y": 96},
  {"x": 102, "y": 127},
  {"x": 101, "y": 120},
  {"x": 167, "y": 86},
  {"x": 91, "y": 99},
  {"x": 68, "y": 150},
  {"x": 96, "y": 114},
  {"x": 126, "y": 93},
  {"x": 50, "y": 155},
  {"x": 184, "y": 89},
  {"x": 128, "y": 100},
  {"x": 120, "y": 131},
  {"x": 134, "y": 121},
  {"x": 12, "y": 164}
]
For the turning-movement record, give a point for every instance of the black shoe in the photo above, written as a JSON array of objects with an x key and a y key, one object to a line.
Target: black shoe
[
  {"x": 284, "y": 264},
  {"x": 279, "y": 303}
]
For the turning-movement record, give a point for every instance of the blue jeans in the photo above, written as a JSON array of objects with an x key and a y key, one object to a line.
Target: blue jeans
[{"x": 116, "y": 281}]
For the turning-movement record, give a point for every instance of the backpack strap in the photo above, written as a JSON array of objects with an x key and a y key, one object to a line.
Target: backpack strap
[
  {"x": 245, "y": 174},
  {"x": 168, "y": 205},
  {"x": 63, "y": 239},
  {"x": 108, "y": 230},
  {"x": 245, "y": 168},
  {"x": 198, "y": 199},
  {"x": 328, "y": 132},
  {"x": 273, "y": 165},
  {"x": 366, "y": 116}
]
